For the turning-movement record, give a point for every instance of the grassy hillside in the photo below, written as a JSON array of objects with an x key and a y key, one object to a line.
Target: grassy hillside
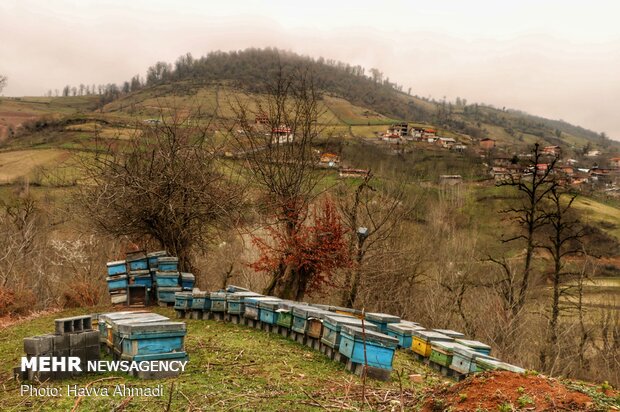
[{"x": 234, "y": 367}]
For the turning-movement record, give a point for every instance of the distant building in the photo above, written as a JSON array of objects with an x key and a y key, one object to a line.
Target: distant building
[
  {"x": 615, "y": 161},
  {"x": 487, "y": 144},
  {"x": 330, "y": 159},
  {"x": 282, "y": 134},
  {"x": 392, "y": 138},
  {"x": 401, "y": 129},
  {"x": 445, "y": 142},
  {"x": 593, "y": 153},
  {"x": 552, "y": 150}
]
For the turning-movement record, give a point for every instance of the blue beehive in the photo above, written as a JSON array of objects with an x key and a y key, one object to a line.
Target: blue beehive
[
  {"x": 199, "y": 299},
  {"x": 183, "y": 300},
  {"x": 152, "y": 338},
  {"x": 153, "y": 256},
  {"x": 268, "y": 310},
  {"x": 379, "y": 347},
  {"x": 117, "y": 282},
  {"x": 300, "y": 317},
  {"x": 235, "y": 302},
  {"x": 167, "y": 279},
  {"x": 187, "y": 281},
  {"x": 141, "y": 277},
  {"x": 138, "y": 261},
  {"x": 403, "y": 332},
  {"x": 118, "y": 267},
  {"x": 167, "y": 264},
  {"x": 218, "y": 302},
  {"x": 252, "y": 310},
  {"x": 166, "y": 294},
  {"x": 332, "y": 325},
  {"x": 381, "y": 320}
]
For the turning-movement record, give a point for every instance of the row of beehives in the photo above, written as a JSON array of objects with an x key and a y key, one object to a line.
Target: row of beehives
[
  {"x": 344, "y": 334},
  {"x": 73, "y": 337},
  {"x": 143, "y": 336},
  {"x": 144, "y": 277}
]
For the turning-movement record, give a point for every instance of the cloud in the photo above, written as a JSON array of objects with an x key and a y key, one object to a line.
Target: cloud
[{"x": 479, "y": 52}]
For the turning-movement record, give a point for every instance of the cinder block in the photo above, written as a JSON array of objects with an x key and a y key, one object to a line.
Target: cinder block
[
  {"x": 90, "y": 338},
  {"x": 61, "y": 343},
  {"x": 19, "y": 375},
  {"x": 39, "y": 345}
]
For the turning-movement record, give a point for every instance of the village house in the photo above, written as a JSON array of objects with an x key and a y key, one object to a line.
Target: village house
[
  {"x": 567, "y": 170},
  {"x": 429, "y": 133},
  {"x": 487, "y": 143},
  {"x": 552, "y": 151},
  {"x": 416, "y": 133},
  {"x": 401, "y": 129},
  {"x": 282, "y": 134},
  {"x": 445, "y": 142},
  {"x": 593, "y": 153},
  {"x": 330, "y": 159},
  {"x": 502, "y": 161}
]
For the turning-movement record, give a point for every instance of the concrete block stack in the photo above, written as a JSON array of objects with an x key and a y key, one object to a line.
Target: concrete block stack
[{"x": 72, "y": 337}]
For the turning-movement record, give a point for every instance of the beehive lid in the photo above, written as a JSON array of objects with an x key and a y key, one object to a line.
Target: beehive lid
[
  {"x": 166, "y": 274},
  {"x": 403, "y": 328},
  {"x": 353, "y": 312},
  {"x": 169, "y": 288},
  {"x": 318, "y": 313},
  {"x": 431, "y": 335},
  {"x": 200, "y": 293},
  {"x": 186, "y": 295},
  {"x": 116, "y": 277},
  {"x": 338, "y": 320},
  {"x": 448, "y": 347},
  {"x": 255, "y": 300},
  {"x": 137, "y": 256},
  {"x": 151, "y": 317},
  {"x": 111, "y": 316},
  {"x": 369, "y": 335},
  {"x": 272, "y": 304},
  {"x": 512, "y": 368},
  {"x": 451, "y": 333},
  {"x": 301, "y": 310},
  {"x": 186, "y": 275},
  {"x": 167, "y": 259},
  {"x": 319, "y": 306},
  {"x": 234, "y": 289},
  {"x": 116, "y": 263},
  {"x": 408, "y": 322},
  {"x": 140, "y": 272},
  {"x": 382, "y": 318},
  {"x": 238, "y": 296},
  {"x": 152, "y": 327},
  {"x": 218, "y": 295},
  {"x": 473, "y": 344},
  {"x": 489, "y": 363},
  {"x": 159, "y": 253}
]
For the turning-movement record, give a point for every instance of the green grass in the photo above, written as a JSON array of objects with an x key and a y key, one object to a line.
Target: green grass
[{"x": 231, "y": 367}]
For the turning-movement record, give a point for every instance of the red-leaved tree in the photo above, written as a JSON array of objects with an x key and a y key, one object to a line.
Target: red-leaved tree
[{"x": 307, "y": 256}]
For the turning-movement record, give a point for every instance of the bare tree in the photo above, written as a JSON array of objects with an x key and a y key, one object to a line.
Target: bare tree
[
  {"x": 564, "y": 239},
  {"x": 3, "y": 82},
  {"x": 372, "y": 217},
  {"x": 275, "y": 140},
  {"x": 533, "y": 186},
  {"x": 164, "y": 184}
]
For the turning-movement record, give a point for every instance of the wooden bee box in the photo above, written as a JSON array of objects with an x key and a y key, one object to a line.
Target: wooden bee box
[
  {"x": 378, "y": 347},
  {"x": 421, "y": 343}
]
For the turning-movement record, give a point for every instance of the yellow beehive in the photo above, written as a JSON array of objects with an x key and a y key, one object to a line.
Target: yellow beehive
[
  {"x": 422, "y": 339},
  {"x": 421, "y": 347}
]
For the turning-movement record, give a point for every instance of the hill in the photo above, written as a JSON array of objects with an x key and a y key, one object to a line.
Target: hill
[{"x": 233, "y": 367}]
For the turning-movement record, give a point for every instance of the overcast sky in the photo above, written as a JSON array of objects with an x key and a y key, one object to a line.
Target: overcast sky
[{"x": 558, "y": 59}]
